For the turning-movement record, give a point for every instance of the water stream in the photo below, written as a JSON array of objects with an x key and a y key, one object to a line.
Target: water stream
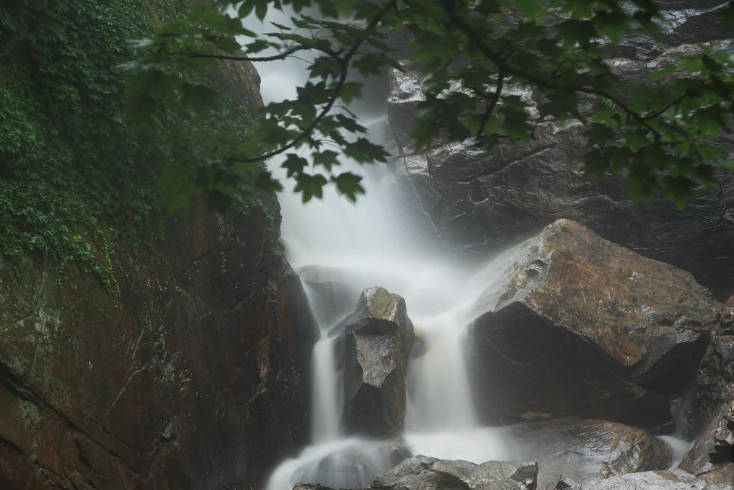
[
  {"x": 382, "y": 240},
  {"x": 379, "y": 242}
]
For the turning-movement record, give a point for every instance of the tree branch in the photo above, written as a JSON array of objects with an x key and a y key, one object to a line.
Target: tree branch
[
  {"x": 449, "y": 7},
  {"x": 492, "y": 102},
  {"x": 254, "y": 59},
  {"x": 344, "y": 72}
]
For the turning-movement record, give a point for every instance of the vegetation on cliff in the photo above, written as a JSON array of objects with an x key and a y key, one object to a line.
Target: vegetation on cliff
[{"x": 75, "y": 180}]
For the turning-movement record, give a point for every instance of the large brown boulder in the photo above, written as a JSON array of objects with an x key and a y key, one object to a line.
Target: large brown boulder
[
  {"x": 576, "y": 325},
  {"x": 377, "y": 338},
  {"x": 585, "y": 450},
  {"x": 191, "y": 372}
]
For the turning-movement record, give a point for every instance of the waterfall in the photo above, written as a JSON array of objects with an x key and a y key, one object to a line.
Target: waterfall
[
  {"x": 326, "y": 399},
  {"x": 382, "y": 241}
]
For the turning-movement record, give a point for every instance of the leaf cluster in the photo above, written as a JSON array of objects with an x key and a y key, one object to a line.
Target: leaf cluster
[{"x": 490, "y": 70}]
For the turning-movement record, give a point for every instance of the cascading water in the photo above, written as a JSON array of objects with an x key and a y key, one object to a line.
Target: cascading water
[{"x": 380, "y": 241}]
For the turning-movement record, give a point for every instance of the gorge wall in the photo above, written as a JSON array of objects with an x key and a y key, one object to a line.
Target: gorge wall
[
  {"x": 194, "y": 376},
  {"x": 188, "y": 368}
]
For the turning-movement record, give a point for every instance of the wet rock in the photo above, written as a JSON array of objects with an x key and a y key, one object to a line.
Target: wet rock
[
  {"x": 424, "y": 473},
  {"x": 565, "y": 483},
  {"x": 715, "y": 446},
  {"x": 377, "y": 338},
  {"x": 655, "y": 480},
  {"x": 703, "y": 408},
  {"x": 203, "y": 350},
  {"x": 482, "y": 201},
  {"x": 585, "y": 450},
  {"x": 576, "y": 325}
]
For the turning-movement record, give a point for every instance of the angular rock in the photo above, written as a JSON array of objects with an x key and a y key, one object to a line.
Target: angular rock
[
  {"x": 714, "y": 382},
  {"x": 584, "y": 450},
  {"x": 715, "y": 446},
  {"x": 710, "y": 398},
  {"x": 424, "y": 473},
  {"x": 377, "y": 338},
  {"x": 565, "y": 483},
  {"x": 655, "y": 480},
  {"x": 576, "y": 325}
]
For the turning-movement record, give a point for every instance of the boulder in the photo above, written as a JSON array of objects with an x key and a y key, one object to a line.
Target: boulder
[
  {"x": 424, "y": 473},
  {"x": 714, "y": 380},
  {"x": 576, "y": 325},
  {"x": 584, "y": 450},
  {"x": 376, "y": 342},
  {"x": 482, "y": 201},
  {"x": 713, "y": 449},
  {"x": 655, "y": 480}
]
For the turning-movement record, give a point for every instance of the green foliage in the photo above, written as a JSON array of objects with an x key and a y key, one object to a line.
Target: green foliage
[
  {"x": 660, "y": 134},
  {"x": 75, "y": 181}
]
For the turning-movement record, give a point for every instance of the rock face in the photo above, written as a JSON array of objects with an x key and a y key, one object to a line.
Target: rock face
[
  {"x": 714, "y": 380},
  {"x": 576, "y": 325},
  {"x": 484, "y": 201},
  {"x": 655, "y": 480},
  {"x": 585, "y": 450},
  {"x": 377, "y": 338},
  {"x": 714, "y": 448},
  {"x": 424, "y": 473},
  {"x": 201, "y": 350}
]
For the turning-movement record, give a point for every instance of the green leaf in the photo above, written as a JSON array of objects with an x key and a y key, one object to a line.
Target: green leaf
[
  {"x": 265, "y": 181},
  {"x": 349, "y": 185},
  {"x": 294, "y": 164},
  {"x": 326, "y": 159},
  {"x": 310, "y": 186}
]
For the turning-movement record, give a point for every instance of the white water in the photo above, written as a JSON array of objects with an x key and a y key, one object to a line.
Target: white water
[
  {"x": 382, "y": 241},
  {"x": 379, "y": 241}
]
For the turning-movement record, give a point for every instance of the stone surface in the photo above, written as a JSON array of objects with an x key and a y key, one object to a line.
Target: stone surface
[
  {"x": 576, "y": 325},
  {"x": 376, "y": 340},
  {"x": 202, "y": 350},
  {"x": 714, "y": 381},
  {"x": 655, "y": 480},
  {"x": 484, "y": 201},
  {"x": 714, "y": 447},
  {"x": 584, "y": 450},
  {"x": 424, "y": 473}
]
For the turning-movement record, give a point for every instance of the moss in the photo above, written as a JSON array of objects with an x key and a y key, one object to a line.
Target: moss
[{"x": 77, "y": 183}]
